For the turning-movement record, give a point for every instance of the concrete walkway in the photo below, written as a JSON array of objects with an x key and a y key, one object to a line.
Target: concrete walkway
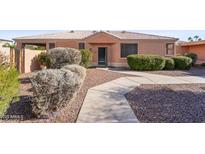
[{"x": 107, "y": 103}]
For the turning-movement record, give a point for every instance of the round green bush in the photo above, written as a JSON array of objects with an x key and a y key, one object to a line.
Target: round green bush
[
  {"x": 145, "y": 62},
  {"x": 193, "y": 56},
  {"x": 86, "y": 57},
  {"x": 182, "y": 62},
  {"x": 169, "y": 64}
]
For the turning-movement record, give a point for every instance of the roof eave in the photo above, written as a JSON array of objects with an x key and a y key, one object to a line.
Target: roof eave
[{"x": 6, "y": 40}]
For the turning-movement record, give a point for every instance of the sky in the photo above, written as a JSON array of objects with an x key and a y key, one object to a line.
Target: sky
[{"x": 181, "y": 34}]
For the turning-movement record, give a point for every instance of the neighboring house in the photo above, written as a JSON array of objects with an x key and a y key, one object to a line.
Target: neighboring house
[
  {"x": 4, "y": 50},
  {"x": 110, "y": 48},
  {"x": 197, "y": 47}
]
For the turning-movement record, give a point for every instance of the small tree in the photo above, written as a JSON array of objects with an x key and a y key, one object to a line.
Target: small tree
[{"x": 86, "y": 57}]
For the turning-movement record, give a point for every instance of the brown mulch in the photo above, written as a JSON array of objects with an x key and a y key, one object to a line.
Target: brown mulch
[
  {"x": 195, "y": 71},
  {"x": 22, "y": 110},
  {"x": 168, "y": 103}
]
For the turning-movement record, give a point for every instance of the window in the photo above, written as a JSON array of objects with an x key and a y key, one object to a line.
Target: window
[
  {"x": 170, "y": 49},
  {"x": 51, "y": 45},
  {"x": 127, "y": 49},
  {"x": 81, "y": 45}
]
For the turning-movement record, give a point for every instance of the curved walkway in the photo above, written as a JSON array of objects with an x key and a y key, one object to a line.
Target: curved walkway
[{"x": 107, "y": 103}]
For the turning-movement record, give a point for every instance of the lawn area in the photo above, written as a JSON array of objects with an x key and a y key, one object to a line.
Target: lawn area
[
  {"x": 23, "y": 108},
  {"x": 168, "y": 103}
]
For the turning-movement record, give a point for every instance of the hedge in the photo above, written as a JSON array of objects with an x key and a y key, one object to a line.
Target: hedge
[
  {"x": 145, "y": 62},
  {"x": 169, "y": 64},
  {"x": 182, "y": 62},
  {"x": 8, "y": 87},
  {"x": 193, "y": 56}
]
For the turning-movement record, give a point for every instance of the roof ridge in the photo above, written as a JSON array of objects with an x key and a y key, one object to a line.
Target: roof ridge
[
  {"x": 108, "y": 32},
  {"x": 38, "y": 35},
  {"x": 83, "y": 34},
  {"x": 102, "y": 31},
  {"x": 151, "y": 34}
]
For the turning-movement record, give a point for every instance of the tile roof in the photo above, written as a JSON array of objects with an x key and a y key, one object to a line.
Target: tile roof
[
  {"x": 193, "y": 43},
  {"x": 85, "y": 34},
  {"x": 135, "y": 35}
]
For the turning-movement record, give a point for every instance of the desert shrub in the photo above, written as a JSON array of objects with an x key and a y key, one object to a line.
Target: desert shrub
[
  {"x": 63, "y": 56},
  {"x": 169, "y": 64},
  {"x": 182, "y": 62},
  {"x": 53, "y": 89},
  {"x": 44, "y": 59},
  {"x": 86, "y": 58},
  {"x": 8, "y": 86},
  {"x": 145, "y": 62},
  {"x": 193, "y": 56}
]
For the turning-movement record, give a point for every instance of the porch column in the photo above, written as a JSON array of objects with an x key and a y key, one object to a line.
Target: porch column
[
  {"x": 12, "y": 56},
  {"x": 22, "y": 58}
]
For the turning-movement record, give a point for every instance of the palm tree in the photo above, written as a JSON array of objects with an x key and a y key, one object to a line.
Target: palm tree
[
  {"x": 190, "y": 39},
  {"x": 196, "y": 37}
]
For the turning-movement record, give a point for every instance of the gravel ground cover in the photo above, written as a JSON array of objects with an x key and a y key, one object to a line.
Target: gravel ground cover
[
  {"x": 195, "y": 71},
  {"x": 21, "y": 111},
  {"x": 168, "y": 103}
]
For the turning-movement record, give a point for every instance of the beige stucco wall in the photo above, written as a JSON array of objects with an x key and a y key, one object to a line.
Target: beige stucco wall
[
  {"x": 67, "y": 43},
  {"x": 30, "y": 64},
  {"x": 197, "y": 49}
]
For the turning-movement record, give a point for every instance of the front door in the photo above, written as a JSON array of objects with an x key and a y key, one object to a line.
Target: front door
[{"x": 102, "y": 56}]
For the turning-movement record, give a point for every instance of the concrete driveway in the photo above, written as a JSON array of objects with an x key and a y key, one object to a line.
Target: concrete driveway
[{"x": 107, "y": 103}]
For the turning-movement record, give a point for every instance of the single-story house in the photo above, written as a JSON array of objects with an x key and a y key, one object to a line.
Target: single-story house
[
  {"x": 197, "y": 47},
  {"x": 110, "y": 48}
]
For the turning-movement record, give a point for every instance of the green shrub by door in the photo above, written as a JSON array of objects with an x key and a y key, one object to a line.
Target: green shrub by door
[
  {"x": 182, "y": 62},
  {"x": 145, "y": 62},
  {"x": 86, "y": 58},
  {"x": 193, "y": 56}
]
